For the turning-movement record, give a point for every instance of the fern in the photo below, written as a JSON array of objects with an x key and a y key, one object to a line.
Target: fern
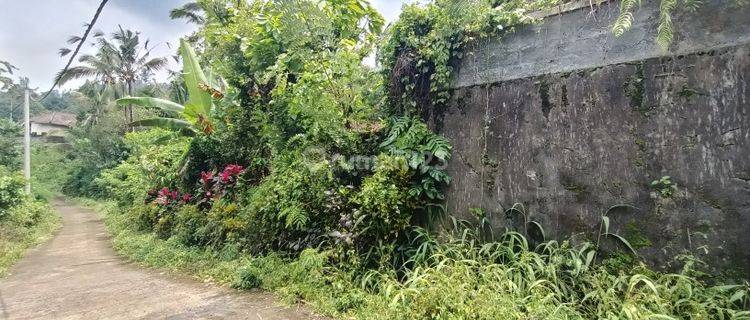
[
  {"x": 294, "y": 216},
  {"x": 398, "y": 126},
  {"x": 691, "y": 5},
  {"x": 625, "y": 20},
  {"x": 412, "y": 139},
  {"x": 665, "y": 33},
  {"x": 665, "y": 30}
]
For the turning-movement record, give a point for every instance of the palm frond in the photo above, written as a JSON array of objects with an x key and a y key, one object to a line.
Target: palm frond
[
  {"x": 625, "y": 20},
  {"x": 155, "y": 64},
  {"x": 74, "y": 39},
  {"x": 76, "y": 73},
  {"x": 665, "y": 33},
  {"x": 189, "y": 11},
  {"x": 8, "y": 67}
]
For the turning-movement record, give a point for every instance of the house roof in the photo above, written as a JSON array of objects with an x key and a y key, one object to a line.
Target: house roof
[{"x": 55, "y": 118}]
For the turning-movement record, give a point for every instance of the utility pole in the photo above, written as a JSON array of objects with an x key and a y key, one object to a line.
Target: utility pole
[{"x": 26, "y": 141}]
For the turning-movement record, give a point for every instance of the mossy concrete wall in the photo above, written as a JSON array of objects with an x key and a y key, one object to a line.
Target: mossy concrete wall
[{"x": 569, "y": 120}]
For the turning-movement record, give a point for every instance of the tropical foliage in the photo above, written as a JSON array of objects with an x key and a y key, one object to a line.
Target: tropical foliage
[
  {"x": 24, "y": 221},
  {"x": 120, "y": 63},
  {"x": 25, "y": 225},
  {"x": 11, "y": 190},
  {"x": 298, "y": 168},
  {"x": 10, "y": 135},
  {"x": 195, "y": 115}
]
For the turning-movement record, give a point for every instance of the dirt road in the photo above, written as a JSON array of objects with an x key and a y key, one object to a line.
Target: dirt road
[{"x": 77, "y": 275}]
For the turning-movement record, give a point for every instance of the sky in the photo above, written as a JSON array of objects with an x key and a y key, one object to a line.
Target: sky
[{"x": 32, "y": 31}]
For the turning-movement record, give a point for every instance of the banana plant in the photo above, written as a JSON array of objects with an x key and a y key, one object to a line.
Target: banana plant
[{"x": 193, "y": 117}]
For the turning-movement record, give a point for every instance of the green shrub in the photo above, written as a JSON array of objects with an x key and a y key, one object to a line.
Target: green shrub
[
  {"x": 247, "y": 278},
  {"x": 29, "y": 212},
  {"x": 287, "y": 208},
  {"x": 384, "y": 203},
  {"x": 26, "y": 224},
  {"x": 150, "y": 164},
  {"x": 11, "y": 190},
  {"x": 95, "y": 148},
  {"x": 50, "y": 169},
  {"x": 466, "y": 278},
  {"x": 190, "y": 225},
  {"x": 218, "y": 228},
  {"x": 10, "y": 144}
]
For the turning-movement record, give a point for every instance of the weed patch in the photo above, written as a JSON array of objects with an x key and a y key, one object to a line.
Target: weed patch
[{"x": 26, "y": 226}]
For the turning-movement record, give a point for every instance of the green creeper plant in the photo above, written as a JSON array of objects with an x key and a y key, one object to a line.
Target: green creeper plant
[
  {"x": 664, "y": 186},
  {"x": 665, "y": 29}
]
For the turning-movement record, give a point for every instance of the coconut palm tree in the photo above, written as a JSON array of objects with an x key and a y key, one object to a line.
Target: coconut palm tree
[
  {"x": 194, "y": 12},
  {"x": 121, "y": 61},
  {"x": 99, "y": 97},
  {"x": 190, "y": 11}
]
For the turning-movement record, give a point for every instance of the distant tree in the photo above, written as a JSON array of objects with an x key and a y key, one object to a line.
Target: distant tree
[
  {"x": 60, "y": 101},
  {"x": 120, "y": 62},
  {"x": 11, "y": 100},
  {"x": 6, "y": 70},
  {"x": 97, "y": 98},
  {"x": 10, "y": 144}
]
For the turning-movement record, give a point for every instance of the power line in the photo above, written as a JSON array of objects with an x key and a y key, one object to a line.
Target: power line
[{"x": 78, "y": 48}]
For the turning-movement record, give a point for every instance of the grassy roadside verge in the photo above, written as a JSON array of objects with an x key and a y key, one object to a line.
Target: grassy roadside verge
[
  {"x": 299, "y": 281},
  {"x": 148, "y": 250},
  {"x": 29, "y": 225},
  {"x": 499, "y": 280}
]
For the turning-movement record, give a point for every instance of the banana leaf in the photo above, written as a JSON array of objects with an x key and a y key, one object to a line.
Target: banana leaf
[{"x": 151, "y": 103}]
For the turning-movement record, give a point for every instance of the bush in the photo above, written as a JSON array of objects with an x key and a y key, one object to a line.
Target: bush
[
  {"x": 50, "y": 169},
  {"x": 10, "y": 144},
  {"x": 28, "y": 213},
  {"x": 148, "y": 165},
  {"x": 247, "y": 278},
  {"x": 26, "y": 224},
  {"x": 287, "y": 209},
  {"x": 11, "y": 190},
  {"x": 190, "y": 225},
  {"x": 217, "y": 228},
  {"x": 95, "y": 148},
  {"x": 465, "y": 278},
  {"x": 385, "y": 207}
]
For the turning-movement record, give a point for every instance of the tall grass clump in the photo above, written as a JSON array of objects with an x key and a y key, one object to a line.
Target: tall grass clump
[
  {"x": 459, "y": 275},
  {"x": 463, "y": 278}
]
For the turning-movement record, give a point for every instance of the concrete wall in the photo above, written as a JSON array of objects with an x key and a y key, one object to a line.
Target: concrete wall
[{"x": 569, "y": 120}]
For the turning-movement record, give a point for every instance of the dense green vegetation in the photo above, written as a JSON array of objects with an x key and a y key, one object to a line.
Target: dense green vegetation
[
  {"x": 279, "y": 160},
  {"x": 24, "y": 221}
]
